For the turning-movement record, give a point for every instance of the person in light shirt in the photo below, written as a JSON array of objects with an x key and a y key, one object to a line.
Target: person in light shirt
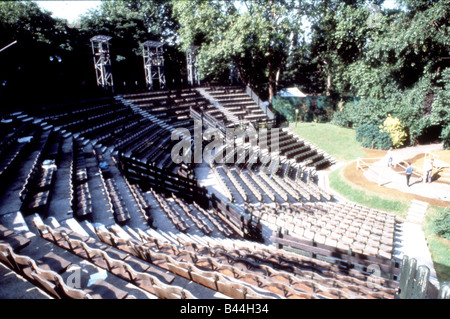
[{"x": 428, "y": 170}]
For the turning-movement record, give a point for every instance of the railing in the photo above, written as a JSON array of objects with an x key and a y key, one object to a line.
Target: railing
[
  {"x": 258, "y": 101},
  {"x": 415, "y": 169},
  {"x": 361, "y": 163}
]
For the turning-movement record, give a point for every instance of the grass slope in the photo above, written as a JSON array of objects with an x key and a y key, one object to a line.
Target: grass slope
[{"x": 337, "y": 141}]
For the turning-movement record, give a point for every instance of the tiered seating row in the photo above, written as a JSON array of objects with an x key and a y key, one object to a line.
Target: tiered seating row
[
  {"x": 38, "y": 187},
  {"x": 196, "y": 220},
  {"x": 249, "y": 184},
  {"x": 223, "y": 228},
  {"x": 115, "y": 199},
  {"x": 265, "y": 189},
  {"x": 176, "y": 218},
  {"x": 207, "y": 270},
  {"x": 249, "y": 268},
  {"x": 13, "y": 149},
  {"x": 81, "y": 200},
  {"x": 306, "y": 267},
  {"x": 222, "y": 183},
  {"x": 125, "y": 266},
  {"x": 275, "y": 186},
  {"x": 333, "y": 226},
  {"x": 235, "y": 183},
  {"x": 142, "y": 201},
  {"x": 238, "y": 103},
  {"x": 48, "y": 280}
]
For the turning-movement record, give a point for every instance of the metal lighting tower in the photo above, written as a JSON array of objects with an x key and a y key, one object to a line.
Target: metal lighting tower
[
  {"x": 154, "y": 63},
  {"x": 102, "y": 61},
  {"x": 192, "y": 72}
]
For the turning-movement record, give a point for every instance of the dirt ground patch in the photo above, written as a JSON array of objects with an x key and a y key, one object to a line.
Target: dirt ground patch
[{"x": 357, "y": 177}]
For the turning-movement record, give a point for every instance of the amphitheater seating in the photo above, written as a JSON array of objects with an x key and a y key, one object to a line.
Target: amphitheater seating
[
  {"x": 81, "y": 200},
  {"x": 238, "y": 103},
  {"x": 125, "y": 266},
  {"x": 137, "y": 127},
  {"x": 225, "y": 264},
  {"x": 365, "y": 231},
  {"x": 142, "y": 202}
]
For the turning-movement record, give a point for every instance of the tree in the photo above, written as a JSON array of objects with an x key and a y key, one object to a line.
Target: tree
[
  {"x": 130, "y": 23},
  {"x": 36, "y": 63},
  {"x": 254, "y": 35},
  {"x": 401, "y": 65},
  {"x": 339, "y": 33}
]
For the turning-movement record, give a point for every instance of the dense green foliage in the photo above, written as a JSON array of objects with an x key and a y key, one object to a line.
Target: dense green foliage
[
  {"x": 370, "y": 136},
  {"x": 401, "y": 69},
  {"x": 309, "y": 108},
  {"x": 441, "y": 223}
]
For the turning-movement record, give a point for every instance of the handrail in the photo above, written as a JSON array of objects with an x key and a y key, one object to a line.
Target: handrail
[
  {"x": 378, "y": 174},
  {"x": 414, "y": 169},
  {"x": 257, "y": 100}
]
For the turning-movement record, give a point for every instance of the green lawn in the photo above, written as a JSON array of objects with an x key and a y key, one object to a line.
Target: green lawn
[
  {"x": 337, "y": 141},
  {"x": 439, "y": 247}
]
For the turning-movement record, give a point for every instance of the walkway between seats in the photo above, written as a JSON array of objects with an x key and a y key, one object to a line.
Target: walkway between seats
[{"x": 410, "y": 239}]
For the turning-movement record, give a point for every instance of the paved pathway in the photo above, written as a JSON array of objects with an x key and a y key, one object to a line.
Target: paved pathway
[{"x": 410, "y": 239}]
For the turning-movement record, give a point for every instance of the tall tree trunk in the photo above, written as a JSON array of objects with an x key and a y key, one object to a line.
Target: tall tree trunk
[{"x": 272, "y": 81}]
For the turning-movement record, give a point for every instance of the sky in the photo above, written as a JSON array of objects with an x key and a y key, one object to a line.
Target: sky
[{"x": 70, "y": 10}]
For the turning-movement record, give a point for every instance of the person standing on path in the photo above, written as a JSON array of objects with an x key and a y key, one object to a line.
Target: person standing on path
[
  {"x": 428, "y": 170},
  {"x": 408, "y": 172},
  {"x": 390, "y": 156}
]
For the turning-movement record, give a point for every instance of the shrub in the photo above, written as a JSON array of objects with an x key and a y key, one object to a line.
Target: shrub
[
  {"x": 396, "y": 130},
  {"x": 441, "y": 223},
  {"x": 445, "y": 136},
  {"x": 340, "y": 119},
  {"x": 370, "y": 136}
]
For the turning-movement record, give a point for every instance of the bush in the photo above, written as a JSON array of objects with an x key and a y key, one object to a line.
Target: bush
[
  {"x": 340, "y": 119},
  {"x": 396, "y": 130},
  {"x": 441, "y": 223},
  {"x": 445, "y": 136},
  {"x": 370, "y": 136}
]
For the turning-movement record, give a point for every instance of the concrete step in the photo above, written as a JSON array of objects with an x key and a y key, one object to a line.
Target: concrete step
[
  {"x": 73, "y": 224},
  {"x": 416, "y": 212}
]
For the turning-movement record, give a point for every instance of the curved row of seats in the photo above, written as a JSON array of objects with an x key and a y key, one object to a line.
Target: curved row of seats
[
  {"x": 142, "y": 275},
  {"x": 254, "y": 268},
  {"x": 227, "y": 191},
  {"x": 48, "y": 280},
  {"x": 223, "y": 228},
  {"x": 204, "y": 227},
  {"x": 333, "y": 227},
  {"x": 236, "y": 183},
  {"x": 176, "y": 218},
  {"x": 115, "y": 199},
  {"x": 142, "y": 201}
]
